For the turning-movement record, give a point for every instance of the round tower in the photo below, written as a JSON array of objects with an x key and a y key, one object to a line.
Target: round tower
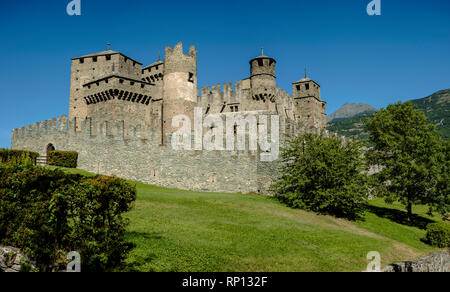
[
  {"x": 180, "y": 74},
  {"x": 179, "y": 85},
  {"x": 262, "y": 71}
]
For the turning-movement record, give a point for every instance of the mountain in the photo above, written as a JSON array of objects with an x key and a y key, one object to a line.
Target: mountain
[
  {"x": 349, "y": 110},
  {"x": 436, "y": 108}
]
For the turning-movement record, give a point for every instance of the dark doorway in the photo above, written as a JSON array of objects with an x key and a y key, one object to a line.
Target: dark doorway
[{"x": 50, "y": 148}]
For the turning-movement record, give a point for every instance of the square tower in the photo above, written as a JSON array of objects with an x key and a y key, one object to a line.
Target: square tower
[{"x": 309, "y": 109}]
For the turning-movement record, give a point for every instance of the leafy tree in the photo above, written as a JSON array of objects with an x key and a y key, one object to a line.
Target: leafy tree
[
  {"x": 411, "y": 157},
  {"x": 441, "y": 201},
  {"x": 324, "y": 175}
]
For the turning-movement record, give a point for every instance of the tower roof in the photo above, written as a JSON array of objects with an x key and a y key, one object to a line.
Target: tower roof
[
  {"x": 104, "y": 53},
  {"x": 159, "y": 62},
  {"x": 262, "y": 57},
  {"x": 305, "y": 79}
]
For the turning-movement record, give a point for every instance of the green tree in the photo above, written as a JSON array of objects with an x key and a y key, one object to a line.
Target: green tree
[
  {"x": 441, "y": 200},
  {"x": 324, "y": 175},
  {"x": 410, "y": 155}
]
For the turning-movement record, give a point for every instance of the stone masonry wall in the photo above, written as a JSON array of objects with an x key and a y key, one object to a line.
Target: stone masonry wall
[
  {"x": 135, "y": 153},
  {"x": 436, "y": 262}
]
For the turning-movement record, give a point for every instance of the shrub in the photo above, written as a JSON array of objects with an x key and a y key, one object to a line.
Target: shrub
[
  {"x": 438, "y": 234},
  {"x": 323, "y": 175},
  {"x": 17, "y": 156},
  {"x": 63, "y": 158},
  {"x": 48, "y": 213}
]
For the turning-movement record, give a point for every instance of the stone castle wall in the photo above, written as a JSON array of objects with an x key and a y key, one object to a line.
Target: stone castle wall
[{"x": 135, "y": 153}]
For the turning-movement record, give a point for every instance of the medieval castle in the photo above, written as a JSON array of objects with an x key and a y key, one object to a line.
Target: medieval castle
[{"x": 120, "y": 120}]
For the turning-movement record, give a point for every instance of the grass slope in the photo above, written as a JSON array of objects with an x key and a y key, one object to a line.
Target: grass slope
[{"x": 177, "y": 230}]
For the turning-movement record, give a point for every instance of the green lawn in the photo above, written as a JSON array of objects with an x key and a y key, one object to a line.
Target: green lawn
[{"x": 177, "y": 230}]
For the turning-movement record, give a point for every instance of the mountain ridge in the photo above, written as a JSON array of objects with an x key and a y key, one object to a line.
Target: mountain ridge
[
  {"x": 435, "y": 106},
  {"x": 349, "y": 110}
]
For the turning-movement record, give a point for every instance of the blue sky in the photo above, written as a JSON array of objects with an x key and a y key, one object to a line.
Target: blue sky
[{"x": 400, "y": 55}]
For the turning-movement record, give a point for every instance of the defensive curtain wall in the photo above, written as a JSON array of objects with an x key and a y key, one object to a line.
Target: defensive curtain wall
[{"x": 135, "y": 153}]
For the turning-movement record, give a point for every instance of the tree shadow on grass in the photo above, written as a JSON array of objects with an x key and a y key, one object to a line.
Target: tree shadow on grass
[
  {"x": 400, "y": 216},
  {"x": 145, "y": 235},
  {"x": 135, "y": 265}
]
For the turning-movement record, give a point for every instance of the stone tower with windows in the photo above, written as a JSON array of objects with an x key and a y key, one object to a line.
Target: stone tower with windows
[
  {"x": 93, "y": 72},
  {"x": 262, "y": 72},
  {"x": 309, "y": 109},
  {"x": 179, "y": 89}
]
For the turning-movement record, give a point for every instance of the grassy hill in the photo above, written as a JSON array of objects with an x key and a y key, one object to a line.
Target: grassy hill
[
  {"x": 177, "y": 230},
  {"x": 436, "y": 107}
]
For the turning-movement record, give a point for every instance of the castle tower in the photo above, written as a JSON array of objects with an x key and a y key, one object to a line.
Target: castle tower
[
  {"x": 262, "y": 72},
  {"x": 179, "y": 85},
  {"x": 86, "y": 69},
  {"x": 309, "y": 109}
]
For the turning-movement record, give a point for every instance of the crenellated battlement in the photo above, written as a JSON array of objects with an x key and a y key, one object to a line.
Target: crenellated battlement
[
  {"x": 59, "y": 127},
  {"x": 222, "y": 94}
]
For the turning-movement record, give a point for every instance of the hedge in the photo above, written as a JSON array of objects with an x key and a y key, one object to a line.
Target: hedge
[
  {"x": 63, "y": 158},
  {"x": 17, "y": 156},
  {"x": 438, "y": 234},
  {"x": 49, "y": 213}
]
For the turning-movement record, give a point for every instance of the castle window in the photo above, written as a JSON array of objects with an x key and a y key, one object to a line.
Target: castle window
[
  {"x": 156, "y": 68},
  {"x": 236, "y": 108},
  {"x": 307, "y": 86},
  {"x": 191, "y": 77},
  {"x": 81, "y": 61},
  {"x": 121, "y": 81},
  {"x": 131, "y": 83},
  {"x": 232, "y": 108},
  {"x": 142, "y": 85},
  {"x": 260, "y": 62},
  {"x": 94, "y": 59},
  {"x": 298, "y": 87},
  {"x": 108, "y": 57}
]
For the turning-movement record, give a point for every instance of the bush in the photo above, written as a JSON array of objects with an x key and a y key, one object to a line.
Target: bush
[
  {"x": 48, "y": 213},
  {"x": 438, "y": 234},
  {"x": 17, "y": 156},
  {"x": 323, "y": 175},
  {"x": 63, "y": 158}
]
